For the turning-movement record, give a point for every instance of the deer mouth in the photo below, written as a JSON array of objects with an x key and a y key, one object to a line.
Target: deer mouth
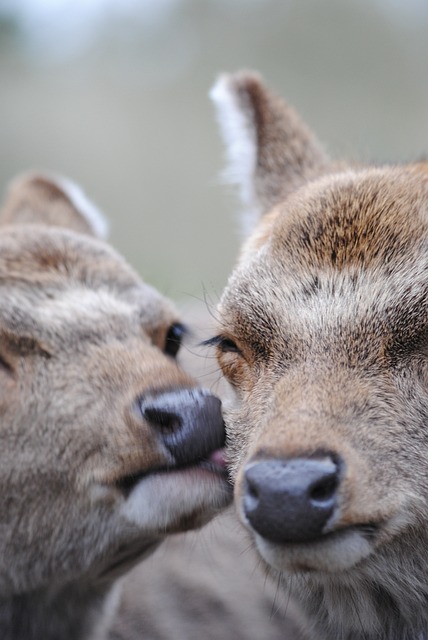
[
  {"x": 213, "y": 464},
  {"x": 335, "y": 551},
  {"x": 178, "y": 497},
  {"x": 169, "y": 499}
]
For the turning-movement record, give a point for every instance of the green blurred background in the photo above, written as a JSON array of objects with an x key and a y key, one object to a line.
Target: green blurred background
[{"x": 113, "y": 93}]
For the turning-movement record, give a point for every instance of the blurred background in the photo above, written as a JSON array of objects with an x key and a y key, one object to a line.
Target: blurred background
[{"x": 113, "y": 93}]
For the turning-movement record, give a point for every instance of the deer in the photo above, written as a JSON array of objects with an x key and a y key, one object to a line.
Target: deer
[
  {"x": 322, "y": 337},
  {"x": 107, "y": 445}
]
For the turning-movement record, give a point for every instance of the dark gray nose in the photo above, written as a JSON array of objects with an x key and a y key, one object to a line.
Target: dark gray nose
[
  {"x": 188, "y": 420},
  {"x": 291, "y": 500}
]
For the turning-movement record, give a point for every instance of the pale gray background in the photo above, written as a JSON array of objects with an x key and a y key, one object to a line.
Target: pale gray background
[{"x": 113, "y": 93}]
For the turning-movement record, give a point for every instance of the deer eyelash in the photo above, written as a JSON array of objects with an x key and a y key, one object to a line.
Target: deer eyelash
[{"x": 225, "y": 344}]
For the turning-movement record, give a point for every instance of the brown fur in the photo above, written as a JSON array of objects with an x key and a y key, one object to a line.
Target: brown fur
[
  {"x": 323, "y": 338},
  {"x": 88, "y": 486}
]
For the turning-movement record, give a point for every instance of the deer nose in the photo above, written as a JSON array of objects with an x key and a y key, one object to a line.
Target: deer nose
[
  {"x": 189, "y": 422},
  {"x": 291, "y": 500}
]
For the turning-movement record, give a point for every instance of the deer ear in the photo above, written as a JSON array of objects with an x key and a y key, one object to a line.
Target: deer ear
[
  {"x": 270, "y": 150},
  {"x": 35, "y": 198}
]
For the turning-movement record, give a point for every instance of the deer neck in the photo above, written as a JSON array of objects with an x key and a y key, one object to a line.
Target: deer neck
[{"x": 74, "y": 612}]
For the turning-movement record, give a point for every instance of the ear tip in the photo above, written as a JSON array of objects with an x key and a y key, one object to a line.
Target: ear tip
[
  {"x": 235, "y": 82},
  {"x": 220, "y": 87}
]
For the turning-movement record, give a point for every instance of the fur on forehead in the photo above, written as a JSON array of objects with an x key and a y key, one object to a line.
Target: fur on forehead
[
  {"x": 48, "y": 256},
  {"x": 356, "y": 217},
  {"x": 50, "y": 277},
  {"x": 368, "y": 218},
  {"x": 365, "y": 229},
  {"x": 52, "y": 200}
]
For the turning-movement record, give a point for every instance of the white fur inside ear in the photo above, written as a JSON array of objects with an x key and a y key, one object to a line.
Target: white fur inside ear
[
  {"x": 86, "y": 208},
  {"x": 239, "y": 135}
]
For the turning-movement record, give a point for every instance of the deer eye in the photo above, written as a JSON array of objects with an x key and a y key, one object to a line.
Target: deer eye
[
  {"x": 226, "y": 345},
  {"x": 223, "y": 343},
  {"x": 174, "y": 338}
]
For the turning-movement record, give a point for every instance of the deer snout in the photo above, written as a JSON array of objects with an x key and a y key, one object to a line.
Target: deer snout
[
  {"x": 291, "y": 500},
  {"x": 189, "y": 421}
]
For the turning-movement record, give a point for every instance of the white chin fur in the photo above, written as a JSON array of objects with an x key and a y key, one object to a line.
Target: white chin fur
[
  {"x": 160, "y": 501},
  {"x": 336, "y": 553},
  {"x": 238, "y": 133}
]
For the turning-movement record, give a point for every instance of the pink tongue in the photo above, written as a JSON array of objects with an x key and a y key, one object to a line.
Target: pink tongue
[{"x": 218, "y": 457}]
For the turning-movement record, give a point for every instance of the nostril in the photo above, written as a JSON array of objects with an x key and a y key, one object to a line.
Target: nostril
[
  {"x": 252, "y": 490},
  {"x": 252, "y": 496},
  {"x": 166, "y": 422},
  {"x": 324, "y": 490}
]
